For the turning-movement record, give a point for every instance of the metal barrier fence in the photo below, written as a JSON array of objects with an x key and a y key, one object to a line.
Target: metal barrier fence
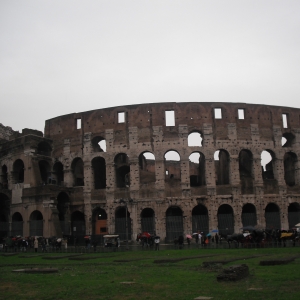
[{"x": 134, "y": 246}]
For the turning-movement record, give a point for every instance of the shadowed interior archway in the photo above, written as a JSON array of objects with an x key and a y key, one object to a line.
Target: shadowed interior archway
[
  {"x": 225, "y": 219},
  {"x": 174, "y": 223},
  {"x": 272, "y": 216},
  {"x": 148, "y": 220},
  {"x": 36, "y": 227},
  {"x": 249, "y": 217},
  {"x": 200, "y": 219}
]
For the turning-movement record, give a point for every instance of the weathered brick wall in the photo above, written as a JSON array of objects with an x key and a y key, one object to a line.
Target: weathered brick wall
[{"x": 145, "y": 130}]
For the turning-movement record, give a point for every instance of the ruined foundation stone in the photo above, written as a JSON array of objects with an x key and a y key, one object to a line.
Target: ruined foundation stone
[{"x": 234, "y": 273}]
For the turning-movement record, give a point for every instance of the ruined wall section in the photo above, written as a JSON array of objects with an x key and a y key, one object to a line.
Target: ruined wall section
[{"x": 144, "y": 129}]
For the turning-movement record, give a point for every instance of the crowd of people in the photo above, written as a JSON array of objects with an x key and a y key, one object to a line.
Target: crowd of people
[{"x": 23, "y": 244}]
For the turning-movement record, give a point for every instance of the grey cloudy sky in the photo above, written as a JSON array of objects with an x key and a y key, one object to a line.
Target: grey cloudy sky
[{"x": 64, "y": 56}]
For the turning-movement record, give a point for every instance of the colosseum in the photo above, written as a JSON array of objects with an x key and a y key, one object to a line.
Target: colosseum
[{"x": 164, "y": 168}]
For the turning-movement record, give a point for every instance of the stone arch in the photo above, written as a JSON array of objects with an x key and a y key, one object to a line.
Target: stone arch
[
  {"x": 225, "y": 219},
  {"x": 44, "y": 148},
  {"x": 293, "y": 214},
  {"x": 268, "y": 162},
  {"x": 174, "y": 223},
  {"x": 195, "y": 139},
  {"x": 4, "y": 215},
  {"x": 18, "y": 171},
  {"x": 197, "y": 169},
  {"x": 78, "y": 224},
  {"x": 4, "y": 177},
  {"x": 121, "y": 215},
  {"x": 122, "y": 169},
  {"x": 99, "y": 144},
  {"x": 63, "y": 203},
  {"x": 246, "y": 171},
  {"x": 249, "y": 217},
  {"x": 200, "y": 219},
  {"x": 99, "y": 221},
  {"x": 148, "y": 220},
  {"x": 58, "y": 173},
  {"x": 45, "y": 172},
  {"x": 78, "y": 171},
  {"x": 17, "y": 224},
  {"x": 172, "y": 167},
  {"x": 272, "y": 216},
  {"x": 222, "y": 167},
  {"x": 99, "y": 172},
  {"x": 147, "y": 167},
  {"x": 36, "y": 227},
  {"x": 288, "y": 139},
  {"x": 290, "y": 164}
]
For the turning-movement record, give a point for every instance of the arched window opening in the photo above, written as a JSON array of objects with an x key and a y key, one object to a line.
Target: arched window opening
[
  {"x": 225, "y": 219},
  {"x": 272, "y": 216},
  {"x": 44, "y": 149},
  {"x": 120, "y": 223},
  {"x": 287, "y": 139},
  {"x": 4, "y": 178},
  {"x": 100, "y": 222},
  {"x": 78, "y": 225},
  {"x": 147, "y": 167},
  {"x": 267, "y": 165},
  {"x": 197, "y": 169},
  {"x": 4, "y": 213},
  {"x": 99, "y": 144},
  {"x": 122, "y": 170},
  {"x": 45, "y": 172},
  {"x": 78, "y": 172},
  {"x": 249, "y": 217},
  {"x": 148, "y": 220},
  {"x": 289, "y": 161},
  {"x": 99, "y": 172},
  {"x": 246, "y": 171},
  {"x": 174, "y": 223},
  {"x": 18, "y": 171},
  {"x": 36, "y": 223},
  {"x": 58, "y": 174},
  {"x": 222, "y": 167},
  {"x": 200, "y": 221},
  {"x": 63, "y": 203},
  {"x": 293, "y": 214},
  {"x": 17, "y": 224},
  {"x": 172, "y": 166},
  {"x": 195, "y": 139}
]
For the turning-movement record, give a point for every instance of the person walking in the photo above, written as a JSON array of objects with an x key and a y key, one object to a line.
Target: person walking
[
  {"x": 156, "y": 242},
  {"x": 200, "y": 238},
  {"x": 217, "y": 238},
  {"x": 44, "y": 249},
  {"x": 188, "y": 241},
  {"x": 36, "y": 245}
]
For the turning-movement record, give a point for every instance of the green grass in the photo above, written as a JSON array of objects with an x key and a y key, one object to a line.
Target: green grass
[{"x": 181, "y": 276}]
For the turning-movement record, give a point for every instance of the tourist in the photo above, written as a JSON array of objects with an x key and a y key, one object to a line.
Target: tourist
[
  {"x": 156, "y": 242},
  {"x": 36, "y": 245}
]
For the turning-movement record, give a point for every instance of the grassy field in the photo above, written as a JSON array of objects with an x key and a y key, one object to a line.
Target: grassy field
[{"x": 148, "y": 274}]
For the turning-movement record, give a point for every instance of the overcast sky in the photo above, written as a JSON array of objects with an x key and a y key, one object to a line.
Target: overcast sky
[{"x": 63, "y": 56}]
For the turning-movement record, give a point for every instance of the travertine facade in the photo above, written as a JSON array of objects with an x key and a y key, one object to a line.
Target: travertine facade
[{"x": 87, "y": 169}]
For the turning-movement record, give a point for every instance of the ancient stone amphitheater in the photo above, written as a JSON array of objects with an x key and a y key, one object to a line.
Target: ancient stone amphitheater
[{"x": 164, "y": 168}]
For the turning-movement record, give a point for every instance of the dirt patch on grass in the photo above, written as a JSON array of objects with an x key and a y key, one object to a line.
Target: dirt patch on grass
[
  {"x": 175, "y": 260},
  {"x": 60, "y": 257},
  {"x": 273, "y": 262},
  {"x": 209, "y": 264}
]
